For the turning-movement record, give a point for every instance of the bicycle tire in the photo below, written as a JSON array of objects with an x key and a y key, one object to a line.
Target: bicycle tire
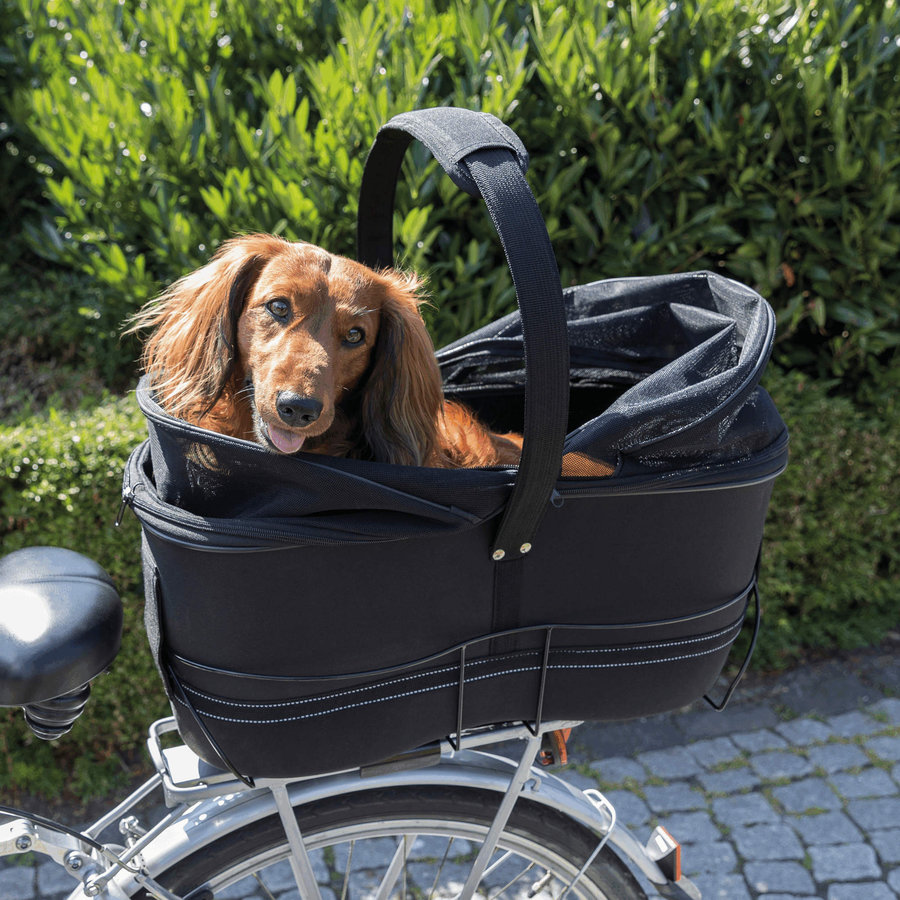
[{"x": 337, "y": 829}]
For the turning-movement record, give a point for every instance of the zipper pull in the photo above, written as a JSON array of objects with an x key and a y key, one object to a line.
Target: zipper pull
[{"x": 127, "y": 497}]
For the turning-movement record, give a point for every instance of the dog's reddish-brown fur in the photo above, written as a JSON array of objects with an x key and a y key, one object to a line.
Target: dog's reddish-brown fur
[{"x": 270, "y": 327}]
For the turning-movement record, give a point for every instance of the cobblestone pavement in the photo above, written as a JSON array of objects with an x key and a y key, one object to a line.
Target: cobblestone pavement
[{"x": 792, "y": 793}]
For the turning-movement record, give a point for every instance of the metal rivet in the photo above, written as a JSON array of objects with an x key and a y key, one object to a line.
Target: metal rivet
[
  {"x": 525, "y": 547},
  {"x": 499, "y": 554},
  {"x": 23, "y": 843}
]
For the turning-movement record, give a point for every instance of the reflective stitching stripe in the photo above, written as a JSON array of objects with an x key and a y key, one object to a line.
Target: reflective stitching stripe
[
  {"x": 454, "y": 684},
  {"x": 475, "y": 662}
]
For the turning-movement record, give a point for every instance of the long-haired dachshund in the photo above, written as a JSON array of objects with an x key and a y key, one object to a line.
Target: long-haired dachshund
[{"x": 298, "y": 349}]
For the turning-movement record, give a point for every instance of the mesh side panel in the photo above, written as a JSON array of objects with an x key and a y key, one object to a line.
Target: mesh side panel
[
  {"x": 664, "y": 378},
  {"x": 686, "y": 353}
]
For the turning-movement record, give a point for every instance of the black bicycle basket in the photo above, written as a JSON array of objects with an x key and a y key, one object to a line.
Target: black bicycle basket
[{"x": 310, "y": 613}]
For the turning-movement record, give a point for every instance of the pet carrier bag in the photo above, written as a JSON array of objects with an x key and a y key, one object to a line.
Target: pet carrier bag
[{"x": 310, "y": 613}]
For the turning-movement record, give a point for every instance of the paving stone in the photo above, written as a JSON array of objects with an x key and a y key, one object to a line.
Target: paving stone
[
  {"x": 803, "y": 732},
  {"x": 630, "y": 809},
  {"x": 53, "y": 879},
  {"x": 778, "y": 876},
  {"x": 617, "y": 770},
  {"x": 873, "y": 890},
  {"x": 887, "y": 844},
  {"x": 764, "y": 842},
  {"x": 854, "y": 724},
  {"x": 837, "y": 757},
  {"x": 760, "y": 741},
  {"x": 886, "y": 747},
  {"x": 714, "y": 857},
  {"x": 18, "y": 882},
  {"x": 576, "y": 779},
  {"x": 280, "y": 877},
  {"x": 788, "y": 897},
  {"x": 495, "y": 879},
  {"x": 245, "y": 889},
  {"x": 326, "y": 892},
  {"x": 427, "y": 847},
  {"x": 890, "y": 707},
  {"x": 722, "y": 887},
  {"x": 869, "y": 783},
  {"x": 692, "y": 827},
  {"x": 674, "y": 797},
  {"x": 673, "y": 763},
  {"x": 894, "y": 880},
  {"x": 825, "y": 689},
  {"x": 876, "y": 813},
  {"x": 599, "y": 740},
  {"x": 826, "y": 828},
  {"x": 735, "y": 720},
  {"x": 844, "y": 862},
  {"x": 715, "y": 751},
  {"x": 745, "y": 809},
  {"x": 731, "y": 781},
  {"x": 775, "y": 765},
  {"x": 810, "y": 793}
]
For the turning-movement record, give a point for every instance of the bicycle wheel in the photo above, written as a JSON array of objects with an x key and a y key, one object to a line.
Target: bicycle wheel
[{"x": 430, "y": 833}]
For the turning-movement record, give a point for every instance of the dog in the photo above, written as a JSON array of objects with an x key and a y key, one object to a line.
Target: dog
[{"x": 295, "y": 348}]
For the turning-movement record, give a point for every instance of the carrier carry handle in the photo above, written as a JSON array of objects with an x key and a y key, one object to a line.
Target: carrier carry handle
[{"x": 486, "y": 159}]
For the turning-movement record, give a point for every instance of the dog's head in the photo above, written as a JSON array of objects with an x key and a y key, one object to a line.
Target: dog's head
[{"x": 298, "y": 349}]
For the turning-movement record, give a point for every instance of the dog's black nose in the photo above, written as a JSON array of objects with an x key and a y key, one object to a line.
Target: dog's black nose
[{"x": 296, "y": 410}]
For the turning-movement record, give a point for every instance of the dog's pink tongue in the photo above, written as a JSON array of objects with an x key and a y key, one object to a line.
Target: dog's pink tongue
[{"x": 285, "y": 441}]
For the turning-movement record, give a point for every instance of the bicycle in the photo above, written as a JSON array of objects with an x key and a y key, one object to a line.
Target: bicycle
[{"x": 445, "y": 820}]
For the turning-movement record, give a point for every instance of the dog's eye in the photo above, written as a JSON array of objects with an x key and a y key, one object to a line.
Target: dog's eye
[
  {"x": 354, "y": 336},
  {"x": 279, "y": 308}
]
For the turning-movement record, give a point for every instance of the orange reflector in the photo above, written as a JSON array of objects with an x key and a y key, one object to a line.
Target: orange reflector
[
  {"x": 553, "y": 749},
  {"x": 665, "y": 851}
]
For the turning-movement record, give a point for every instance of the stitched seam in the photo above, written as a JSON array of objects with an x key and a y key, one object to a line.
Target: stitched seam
[
  {"x": 453, "y": 668},
  {"x": 651, "y": 646},
  {"x": 367, "y": 687},
  {"x": 327, "y": 712}
]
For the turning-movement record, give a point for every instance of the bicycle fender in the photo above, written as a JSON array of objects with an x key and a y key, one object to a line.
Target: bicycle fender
[{"x": 212, "y": 818}]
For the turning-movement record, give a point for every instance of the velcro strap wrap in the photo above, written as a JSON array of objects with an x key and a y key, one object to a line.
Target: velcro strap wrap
[{"x": 452, "y": 134}]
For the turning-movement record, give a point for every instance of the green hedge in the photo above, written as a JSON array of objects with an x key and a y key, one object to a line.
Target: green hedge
[
  {"x": 758, "y": 139},
  {"x": 830, "y": 577},
  {"x": 60, "y": 485},
  {"x": 831, "y": 559}
]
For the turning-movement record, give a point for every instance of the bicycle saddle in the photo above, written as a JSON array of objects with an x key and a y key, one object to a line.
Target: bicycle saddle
[{"x": 60, "y": 626}]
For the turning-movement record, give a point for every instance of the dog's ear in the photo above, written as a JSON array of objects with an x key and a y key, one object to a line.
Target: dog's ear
[
  {"x": 191, "y": 354},
  {"x": 402, "y": 395}
]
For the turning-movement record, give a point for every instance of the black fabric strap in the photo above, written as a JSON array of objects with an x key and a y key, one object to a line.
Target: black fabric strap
[{"x": 484, "y": 157}]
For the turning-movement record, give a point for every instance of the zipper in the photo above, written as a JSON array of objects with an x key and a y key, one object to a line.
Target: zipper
[
  {"x": 127, "y": 497},
  {"x": 195, "y": 523},
  {"x": 697, "y": 478},
  {"x": 148, "y": 512},
  {"x": 159, "y": 510}
]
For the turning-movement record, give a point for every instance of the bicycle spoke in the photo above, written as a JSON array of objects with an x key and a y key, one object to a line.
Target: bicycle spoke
[
  {"x": 397, "y": 865},
  {"x": 268, "y": 894},
  {"x": 440, "y": 870},
  {"x": 497, "y": 863},
  {"x": 397, "y": 851},
  {"x": 510, "y": 883},
  {"x": 346, "y": 885},
  {"x": 501, "y": 817}
]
